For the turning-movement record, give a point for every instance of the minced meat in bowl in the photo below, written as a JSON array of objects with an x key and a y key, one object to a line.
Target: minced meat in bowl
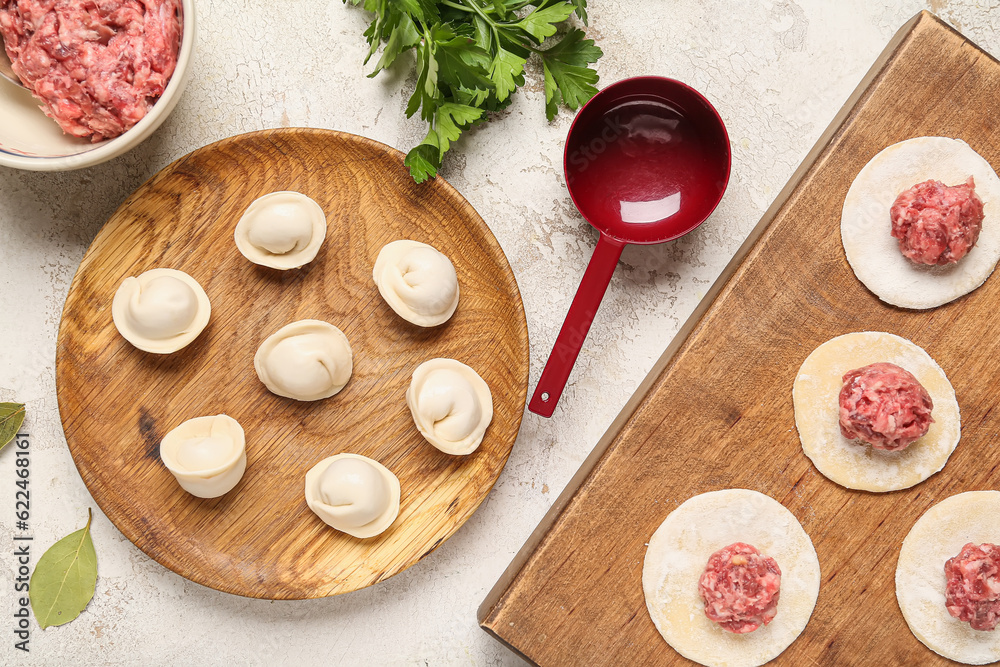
[{"x": 108, "y": 71}]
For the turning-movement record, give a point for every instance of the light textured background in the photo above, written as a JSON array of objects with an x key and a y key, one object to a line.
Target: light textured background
[{"x": 776, "y": 71}]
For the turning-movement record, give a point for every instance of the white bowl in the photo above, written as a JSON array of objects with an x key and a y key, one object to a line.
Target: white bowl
[{"x": 31, "y": 140}]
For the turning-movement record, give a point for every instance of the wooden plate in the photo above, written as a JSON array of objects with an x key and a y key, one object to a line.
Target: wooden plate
[{"x": 116, "y": 402}]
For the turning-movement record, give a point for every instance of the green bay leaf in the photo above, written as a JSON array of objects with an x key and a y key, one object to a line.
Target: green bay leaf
[
  {"x": 11, "y": 418},
  {"x": 64, "y": 580}
]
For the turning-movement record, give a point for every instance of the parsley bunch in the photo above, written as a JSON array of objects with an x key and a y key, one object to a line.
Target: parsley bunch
[{"x": 470, "y": 59}]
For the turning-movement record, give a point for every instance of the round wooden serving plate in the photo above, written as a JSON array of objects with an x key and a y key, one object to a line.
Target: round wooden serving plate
[{"x": 116, "y": 402}]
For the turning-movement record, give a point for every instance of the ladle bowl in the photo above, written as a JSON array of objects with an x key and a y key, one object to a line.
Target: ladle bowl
[{"x": 647, "y": 160}]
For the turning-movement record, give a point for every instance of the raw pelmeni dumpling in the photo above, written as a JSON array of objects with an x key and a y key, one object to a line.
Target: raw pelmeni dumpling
[
  {"x": 451, "y": 405},
  {"x": 417, "y": 282},
  {"x": 282, "y": 230},
  {"x": 353, "y": 494},
  {"x": 207, "y": 455},
  {"x": 161, "y": 310},
  {"x": 305, "y": 360}
]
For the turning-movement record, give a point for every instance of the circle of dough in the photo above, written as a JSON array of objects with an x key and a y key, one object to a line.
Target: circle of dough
[
  {"x": 333, "y": 515},
  {"x": 304, "y": 246},
  {"x": 132, "y": 287},
  {"x": 865, "y": 224},
  {"x": 427, "y": 422},
  {"x": 332, "y": 362},
  {"x": 676, "y": 557},
  {"x": 816, "y": 399},
  {"x": 938, "y": 535},
  {"x": 214, "y": 481},
  {"x": 428, "y": 303}
]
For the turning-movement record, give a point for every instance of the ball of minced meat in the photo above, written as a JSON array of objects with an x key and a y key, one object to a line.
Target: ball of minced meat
[
  {"x": 885, "y": 406},
  {"x": 972, "y": 591},
  {"x": 936, "y": 224},
  {"x": 740, "y": 588}
]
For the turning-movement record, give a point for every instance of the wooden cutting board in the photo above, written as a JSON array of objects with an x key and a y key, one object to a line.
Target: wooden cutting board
[
  {"x": 716, "y": 410},
  {"x": 116, "y": 402}
]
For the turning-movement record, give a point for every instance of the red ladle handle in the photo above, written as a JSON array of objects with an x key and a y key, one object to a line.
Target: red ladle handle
[{"x": 574, "y": 329}]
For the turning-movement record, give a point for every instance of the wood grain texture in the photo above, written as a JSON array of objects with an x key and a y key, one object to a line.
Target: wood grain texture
[
  {"x": 116, "y": 402},
  {"x": 716, "y": 412}
]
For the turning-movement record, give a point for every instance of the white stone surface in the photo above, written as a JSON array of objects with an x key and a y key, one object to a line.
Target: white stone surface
[{"x": 777, "y": 71}]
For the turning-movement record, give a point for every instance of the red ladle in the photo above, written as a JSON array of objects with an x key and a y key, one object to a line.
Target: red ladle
[{"x": 646, "y": 161}]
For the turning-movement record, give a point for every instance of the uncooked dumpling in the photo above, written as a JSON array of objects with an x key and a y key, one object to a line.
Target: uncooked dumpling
[
  {"x": 417, "y": 282},
  {"x": 281, "y": 230},
  {"x": 207, "y": 455},
  {"x": 451, "y": 405},
  {"x": 305, "y": 360},
  {"x": 354, "y": 494},
  {"x": 161, "y": 310}
]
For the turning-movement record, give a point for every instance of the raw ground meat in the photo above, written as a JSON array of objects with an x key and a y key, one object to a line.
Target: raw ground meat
[
  {"x": 972, "y": 593},
  {"x": 885, "y": 406},
  {"x": 740, "y": 588},
  {"x": 97, "y": 66},
  {"x": 937, "y": 224}
]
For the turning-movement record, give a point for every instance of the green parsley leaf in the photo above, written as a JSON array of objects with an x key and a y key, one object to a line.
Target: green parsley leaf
[
  {"x": 449, "y": 122},
  {"x": 426, "y": 91},
  {"x": 379, "y": 28},
  {"x": 506, "y": 72},
  {"x": 482, "y": 34},
  {"x": 567, "y": 77},
  {"x": 447, "y": 125},
  {"x": 404, "y": 37},
  {"x": 541, "y": 23},
  {"x": 422, "y": 161},
  {"x": 574, "y": 49},
  {"x": 461, "y": 61},
  {"x": 553, "y": 98},
  {"x": 425, "y": 11}
]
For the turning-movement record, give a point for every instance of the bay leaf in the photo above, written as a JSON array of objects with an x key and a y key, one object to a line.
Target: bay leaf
[
  {"x": 11, "y": 418},
  {"x": 64, "y": 580}
]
